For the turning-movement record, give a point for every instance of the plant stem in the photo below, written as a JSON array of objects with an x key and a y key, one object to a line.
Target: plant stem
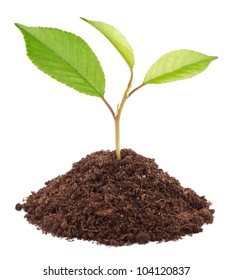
[
  {"x": 117, "y": 115},
  {"x": 109, "y": 107},
  {"x": 135, "y": 90},
  {"x": 117, "y": 136}
]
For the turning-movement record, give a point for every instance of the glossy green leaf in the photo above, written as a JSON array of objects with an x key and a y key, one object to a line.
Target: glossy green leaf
[
  {"x": 177, "y": 65},
  {"x": 117, "y": 39},
  {"x": 65, "y": 57}
]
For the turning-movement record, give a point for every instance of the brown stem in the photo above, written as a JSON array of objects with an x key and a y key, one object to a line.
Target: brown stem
[
  {"x": 109, "y": 107},
  {"x": 135, "y": 89}
]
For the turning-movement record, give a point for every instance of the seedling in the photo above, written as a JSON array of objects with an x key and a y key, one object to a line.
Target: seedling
[{"x": 70, "y": 60}]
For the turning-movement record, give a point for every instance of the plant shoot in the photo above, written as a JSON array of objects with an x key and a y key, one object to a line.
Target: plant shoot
[{"x": 70, "y": 60}]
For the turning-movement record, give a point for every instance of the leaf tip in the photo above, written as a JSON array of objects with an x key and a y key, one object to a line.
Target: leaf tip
[
  {"x": 84, "y": 19},
  {"x": 17, "y": 25}
]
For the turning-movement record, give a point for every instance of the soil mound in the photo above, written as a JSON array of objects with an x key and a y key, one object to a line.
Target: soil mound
[{"x": 117, "y": 202}]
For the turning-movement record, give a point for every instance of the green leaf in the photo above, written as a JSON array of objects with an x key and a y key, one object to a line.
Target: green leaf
[
  {"x": 65, "y": 57},
  {"x": 117, "y": 39},
  {"x": 177, "y": 65}
]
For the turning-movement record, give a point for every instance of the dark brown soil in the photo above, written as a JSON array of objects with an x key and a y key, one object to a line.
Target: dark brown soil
[{"x": 117, "y": 202}]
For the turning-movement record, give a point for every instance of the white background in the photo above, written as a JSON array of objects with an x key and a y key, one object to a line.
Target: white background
[{"x": 186, "y": 126}]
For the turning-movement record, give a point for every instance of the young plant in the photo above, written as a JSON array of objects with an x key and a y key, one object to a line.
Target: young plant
[{"x": 69, "y": 59}]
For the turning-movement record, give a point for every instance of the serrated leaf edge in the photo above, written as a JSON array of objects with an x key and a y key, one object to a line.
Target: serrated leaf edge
[
  {"x": 19, "y": 26},
  {"x": 209, "y": 58},
  {"x": 130, "y": 50}
]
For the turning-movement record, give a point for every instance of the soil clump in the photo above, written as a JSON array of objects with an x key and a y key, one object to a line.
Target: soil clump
[{"x": 117, "y": 203}]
